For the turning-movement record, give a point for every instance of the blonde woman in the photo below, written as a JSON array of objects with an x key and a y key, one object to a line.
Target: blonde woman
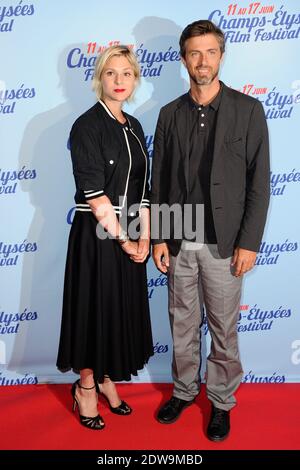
[{"x": 106, "y": 332}]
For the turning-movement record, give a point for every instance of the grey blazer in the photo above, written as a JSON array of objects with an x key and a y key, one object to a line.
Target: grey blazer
[{"x": 239, "y": 185}]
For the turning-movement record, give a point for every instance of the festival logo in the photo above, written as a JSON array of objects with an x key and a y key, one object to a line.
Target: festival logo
[
  {"x": 11, "y": 253},
  {"x": 279, "y": 181},
  {"x": 277, "y": 104},
  {"x": 9, "y": 179},
  {"x": 151, "y": 61},
  {"x": 259, "y": 319},
  {"x": 10, "y": 98},
  {"x": 10, "y": 322},
  {"x": 27, "y": 379},
  {"x": 160, "y": 348},
  {"x": 251, "y": 378},
  {"x": 9, "y": 15},
  {"x": 269, "y": 253},
  {"x": 255, "y": 318},
  {"x": 154, "y": 283},
  {"x": 86, "y": 59},
  {"x": 256, "y": 22}
]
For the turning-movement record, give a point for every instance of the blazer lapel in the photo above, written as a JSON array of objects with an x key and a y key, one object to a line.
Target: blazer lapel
[
  {"x": 223, "y": 120},
  {"x": 183, "y": 134}
]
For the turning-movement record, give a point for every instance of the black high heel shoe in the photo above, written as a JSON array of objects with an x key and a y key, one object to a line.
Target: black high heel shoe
[
  {"x": 96, "y": 423},
  {"x": 123, "y": 409}
]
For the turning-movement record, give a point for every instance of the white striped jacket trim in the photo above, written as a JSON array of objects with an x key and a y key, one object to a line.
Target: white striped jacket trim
[
  {"x": 145, "y": 202},
  {"x": 107, "y": 109},
  {"x": 92, "y": 193},
  {"x": 146, "y": 165}
]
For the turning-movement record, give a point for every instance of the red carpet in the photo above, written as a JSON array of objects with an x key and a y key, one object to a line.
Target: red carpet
[{"x": 39, "y": 417}]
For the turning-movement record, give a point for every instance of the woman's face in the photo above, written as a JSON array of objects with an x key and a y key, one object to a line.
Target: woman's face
[{"x": 118, "y": 80}]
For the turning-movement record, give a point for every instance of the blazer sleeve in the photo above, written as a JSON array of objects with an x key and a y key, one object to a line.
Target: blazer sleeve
[
  {"x": 257, "y": 181},
  {"x": 157, "y": 182},
  {"x": 87, "y": 160}
]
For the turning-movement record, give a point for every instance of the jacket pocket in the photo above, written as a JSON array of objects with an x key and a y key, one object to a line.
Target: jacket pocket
[
  {"x": 235, "y": 146},
  {"x": 232, "y": 140}
]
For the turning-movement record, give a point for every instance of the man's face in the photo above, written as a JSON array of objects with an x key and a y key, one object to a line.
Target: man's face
[{"x": 202, "y": 58}]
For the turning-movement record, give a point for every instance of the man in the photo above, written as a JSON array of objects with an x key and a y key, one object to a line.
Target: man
[{"x": 211, "y": 148}]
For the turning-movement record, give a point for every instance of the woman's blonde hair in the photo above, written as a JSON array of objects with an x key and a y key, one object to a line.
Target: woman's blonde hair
[{"x": 104, "y": 58}]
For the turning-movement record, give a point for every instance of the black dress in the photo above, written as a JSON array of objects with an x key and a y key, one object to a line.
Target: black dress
[{"x": 105, "y": 321}]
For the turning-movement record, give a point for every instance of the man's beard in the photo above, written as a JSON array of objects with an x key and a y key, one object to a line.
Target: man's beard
[{"x": 206, "y": 80}]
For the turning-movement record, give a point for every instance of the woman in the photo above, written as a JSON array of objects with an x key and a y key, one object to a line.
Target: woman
[{"x": 106, "y": 331}]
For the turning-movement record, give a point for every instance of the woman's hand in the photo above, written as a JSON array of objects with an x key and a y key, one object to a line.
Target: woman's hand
[
  {"x": 142, "y": 250},
  {"x": 130, "y": 247}
]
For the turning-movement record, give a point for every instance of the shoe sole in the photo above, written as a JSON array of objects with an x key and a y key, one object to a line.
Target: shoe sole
[
  {"x": 217, "y": 439},
  {"x": 177, "y": 417}
]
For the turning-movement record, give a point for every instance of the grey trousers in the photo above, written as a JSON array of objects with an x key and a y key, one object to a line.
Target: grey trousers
[{"x": 198, "y": 270}]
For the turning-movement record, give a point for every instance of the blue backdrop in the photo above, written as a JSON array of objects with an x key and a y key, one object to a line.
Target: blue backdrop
[{"x": 48, "y": 51}]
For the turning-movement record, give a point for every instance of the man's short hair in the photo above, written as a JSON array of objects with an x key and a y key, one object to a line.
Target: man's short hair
[{"x": 199, "y": 28}]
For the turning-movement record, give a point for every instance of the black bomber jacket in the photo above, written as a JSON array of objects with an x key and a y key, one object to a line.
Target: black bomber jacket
[{"x": 98, "y": 142}]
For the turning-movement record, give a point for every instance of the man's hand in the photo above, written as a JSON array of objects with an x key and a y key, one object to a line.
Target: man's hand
[
  {"x": 160, "y": 255},
  {"x": 243, "y": 260}
]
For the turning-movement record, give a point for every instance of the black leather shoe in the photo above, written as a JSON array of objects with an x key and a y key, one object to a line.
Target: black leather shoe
[
  {"x": 219, "y": 425},
  {"x": 172, "y": 409}
]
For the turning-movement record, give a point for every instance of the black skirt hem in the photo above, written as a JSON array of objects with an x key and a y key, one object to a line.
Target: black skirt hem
[{"x": 112, "y": 376}]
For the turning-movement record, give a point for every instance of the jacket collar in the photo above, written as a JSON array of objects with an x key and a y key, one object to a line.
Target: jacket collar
[
  {"x": 223, "y": 118},
  {"x": 183, "y": 99},
  {"x": 107, "y": 109},
  {"x": 111, "y": 114},
  {"x": 115, "y": 128}
]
